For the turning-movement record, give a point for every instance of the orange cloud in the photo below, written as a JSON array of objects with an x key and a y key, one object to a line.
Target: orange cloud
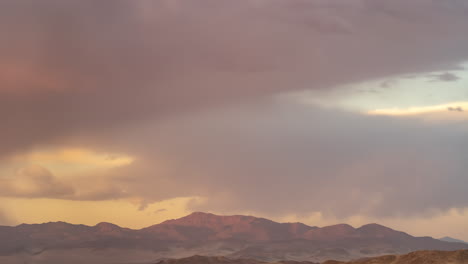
[
  {"x": 34, "y": 181},
  {"x": 63, "y": 173}
]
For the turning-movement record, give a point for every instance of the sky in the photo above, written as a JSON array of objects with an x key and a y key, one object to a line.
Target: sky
[{"x": 318, "y": 111}]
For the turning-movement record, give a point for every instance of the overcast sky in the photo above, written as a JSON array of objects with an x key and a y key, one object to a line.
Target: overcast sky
[{"x": 319, "y": 111}]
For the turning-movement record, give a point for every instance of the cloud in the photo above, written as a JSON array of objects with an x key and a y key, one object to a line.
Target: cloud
[
  {"x": 160, "y": 211},
  {"x": 35, "y": 181},
  {"x": 280, "y": 159},
  {"x": 422, "y": 111},
  {"x": 277, "y": 158},
  {"x": 160, "y": 80},
  {"x": 79, "y": 68},
  {"x": 444, "y": 77},
  {"x": 455, "y": 109},
  {"x": 388, "y": 83}
]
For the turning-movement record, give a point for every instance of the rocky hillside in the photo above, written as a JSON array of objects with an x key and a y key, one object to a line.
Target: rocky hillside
[
  {"x": 223, "y": 260},
  {"x": 419, "y": 257}
]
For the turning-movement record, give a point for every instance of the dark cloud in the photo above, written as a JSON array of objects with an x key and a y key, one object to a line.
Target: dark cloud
[
  {"x": 71, "y": 67},
  {"x": 282, "y": 159},
  {"x": 455, "y": 109},
  {"x": 149, "y": 78},
  {"x": 160, "y": 211},
  {"x": 389, "y": 83},
  {"x": 444, "y": 77}
]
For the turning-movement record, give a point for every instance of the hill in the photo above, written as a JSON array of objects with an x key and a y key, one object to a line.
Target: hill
[{"x": 419, "y": 257}]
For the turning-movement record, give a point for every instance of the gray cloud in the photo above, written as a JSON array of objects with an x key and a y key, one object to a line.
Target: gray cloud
[
  {"x": 72, "y": 67},
  {"x": 388, "y": 83},
  {"x": 160, "y": 211},
  {"x": 148, "y": 78},
  {"x": 455, "y": 109},
  {"x": 280, "y": 159},
  {"x": 445, "y": 77}
]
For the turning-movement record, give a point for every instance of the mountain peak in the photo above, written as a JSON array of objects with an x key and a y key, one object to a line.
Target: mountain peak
[
  {"x": 375, "y": 226},
  {"x": 198, "y": 213},
  {"x": 210, "y": 220},
  {"x": 239, "y": 227},
  {"x": 376, "y": 230},
  {"x": 340, "y": 228},
  {"x": 107, "y": 227}
]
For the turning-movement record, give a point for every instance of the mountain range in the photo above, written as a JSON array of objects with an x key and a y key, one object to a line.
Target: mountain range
[
  {"x": 451, "y": 239},
  {"x": 207, "y": 234}
]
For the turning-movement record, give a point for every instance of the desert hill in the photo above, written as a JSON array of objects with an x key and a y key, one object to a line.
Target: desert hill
[
  {"x": 223, "y": 260},
  {"x": 418, "y": 257}
]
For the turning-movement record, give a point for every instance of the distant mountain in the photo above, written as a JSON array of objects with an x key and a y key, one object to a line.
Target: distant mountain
[
  {"x": 419, "y": 257},
  {"x": 453, "y": 240},
  {"x": 239, "y": 237},
  {"x": 208, "y": 227}
]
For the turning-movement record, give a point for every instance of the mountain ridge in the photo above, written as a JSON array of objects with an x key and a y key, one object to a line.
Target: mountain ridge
[
  {"x": 452, "y": 240},
  {"x": 180, "y": 220},
  {"x": 235, "y": 236}
]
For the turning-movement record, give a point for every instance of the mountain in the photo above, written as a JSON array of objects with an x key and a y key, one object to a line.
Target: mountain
[
  {"x": 419, "y": 257},
  {"x": 238, "y": 237},
  {"x": 208, "y": 227},
  {"x": 453, "y": 240}
]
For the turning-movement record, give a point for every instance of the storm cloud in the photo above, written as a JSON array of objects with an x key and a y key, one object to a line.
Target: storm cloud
[
  {"x": 445, "y": 77},
  {"x": 85, "y": 66},
  {"x": 191, "y": 89},
  {"x": 284, "y": 159}
]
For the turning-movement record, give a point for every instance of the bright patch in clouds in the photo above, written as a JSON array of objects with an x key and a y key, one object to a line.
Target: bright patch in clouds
[
  {"x": 63, "y": 174},
  {"x": 71, "y": 160},
  {"x": 442, "y": 93},
  {"x": 450, "y": 111}
]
